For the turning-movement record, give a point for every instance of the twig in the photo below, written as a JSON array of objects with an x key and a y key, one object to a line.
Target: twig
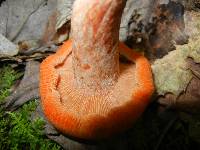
[
  {"x": 7, "y": 57},
  {"x": 164, "y": 133},
  {"x": 25, "y": 21},
  {"x": 196, "y": 73}
]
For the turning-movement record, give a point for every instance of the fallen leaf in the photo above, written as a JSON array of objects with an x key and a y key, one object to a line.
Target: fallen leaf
[
  {"x": 64, "y": 9},
  {"x": 6, "y": 58},
  {"x": 154, "y": 26},
  {"x": 50, "y": 30},
  {"x": 58, "y": 26},
  {"x": 192, "y": 5},
  {"x": 7, "y": 47},
  {"x": 59, "y": 30},
  {"x": 193, "y": 123},
  {"x": 192, "y": 24},
  {"x": 177, "y": 75},
  {"x": 31, "y": 54},
  {"x": 28, "y": 88},
  {"x": 53, "y": 35},
  {"x": 64, "y": 141},
  {"x": 143, "y": 23},
  {"x": 28, "y": 44},
  {"x": 194, "y": 66},
  {"x": 25, "y": 19},
  {"x": 170, "y": 73},
  {"x": 118, "y": 142}
]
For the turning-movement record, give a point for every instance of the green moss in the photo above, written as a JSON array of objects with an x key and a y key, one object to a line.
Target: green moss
[
  {"x": 7, "y": 78},
  {"x": 4, "y": 127},
  {"x": 28, "y": 134},
  {"x": 17, "y": 130}
]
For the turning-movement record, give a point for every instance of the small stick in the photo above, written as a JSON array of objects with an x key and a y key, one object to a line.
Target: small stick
[{"x": 164, "y": 133}]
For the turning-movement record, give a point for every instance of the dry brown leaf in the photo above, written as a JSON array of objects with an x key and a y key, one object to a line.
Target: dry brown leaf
[
  {"x": 53, "y": 35},
  {"x": 192, "y": 5},
  {"x": 117, "y": 142},
  {"x": 6, "y": 58},
  {"x": 50, "y": 30},
  {"x": 28, "y": 44},
  {"x": 189, "y": 100},
  {"x": 30, "y": 54},
  {"x": 58, "y": 26},
  {"x": 154, "y": 23}
]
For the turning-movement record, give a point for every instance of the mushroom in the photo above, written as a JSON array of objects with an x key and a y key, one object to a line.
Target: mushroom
[{"x": 86, "y": 92}]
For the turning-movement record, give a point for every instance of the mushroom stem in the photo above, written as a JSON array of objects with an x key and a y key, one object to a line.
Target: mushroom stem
[
  {"x": 88, "y": 93},
  {"x": 95, "y": 33}
]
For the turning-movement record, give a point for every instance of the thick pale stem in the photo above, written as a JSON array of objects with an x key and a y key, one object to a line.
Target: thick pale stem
[{"x": 95, "y": 35}]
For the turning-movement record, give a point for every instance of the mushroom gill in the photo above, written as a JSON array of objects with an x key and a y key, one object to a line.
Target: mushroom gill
[{"x": 86, "y": 92}]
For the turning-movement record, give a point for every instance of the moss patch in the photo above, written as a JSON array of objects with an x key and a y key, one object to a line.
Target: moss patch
[{"x": 17, "y": 131}]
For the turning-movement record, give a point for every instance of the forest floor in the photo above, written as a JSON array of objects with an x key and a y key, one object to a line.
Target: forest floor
[
  {"x": 157, "y": 129},
  {"x": 162, "y": 28}
]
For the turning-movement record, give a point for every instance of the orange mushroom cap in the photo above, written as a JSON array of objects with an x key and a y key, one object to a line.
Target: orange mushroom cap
[
  {"x": 85, "y": 91},
  {"x": 102, "y": 114}
]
